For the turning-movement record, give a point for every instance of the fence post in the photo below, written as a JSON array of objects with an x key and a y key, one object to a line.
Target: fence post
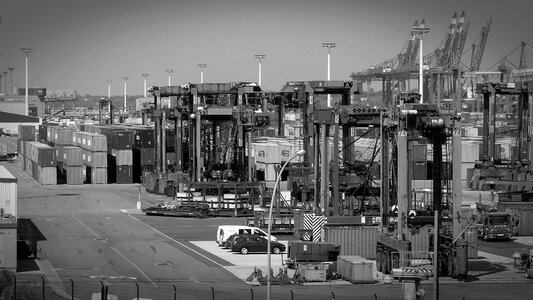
[
  {"x": 174, "y": 291},
  {"x": 332, "y": 296},
  {"x": 43, "y": 286},
  {"x": 213, "y": 293},
  {"x": 14, "y": 287},
  {"x": 72, "y": 289},
  {"x": 137, "y": 290},
  {"x": 102, "y": 292},
  {"x": 252, "y": 293},
  {"x": 292, "y": 295}
]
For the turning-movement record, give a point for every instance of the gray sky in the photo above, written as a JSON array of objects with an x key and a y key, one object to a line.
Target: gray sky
[{"x": 81, "y": 43}]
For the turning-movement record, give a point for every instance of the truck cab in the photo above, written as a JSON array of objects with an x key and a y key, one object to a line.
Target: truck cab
[{"x": 495, "y": 225}]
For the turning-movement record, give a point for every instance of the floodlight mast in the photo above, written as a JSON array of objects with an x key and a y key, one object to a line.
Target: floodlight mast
[{"x": 260, "y": 57}]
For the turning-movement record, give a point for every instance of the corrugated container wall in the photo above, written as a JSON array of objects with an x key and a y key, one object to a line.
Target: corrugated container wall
[
  {"x": 354, "y": 240},
  {"x": 26, "y": 133},
  {"x": 8, "y": 192}
]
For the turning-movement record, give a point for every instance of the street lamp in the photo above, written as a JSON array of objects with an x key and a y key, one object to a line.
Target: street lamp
[
  {"x": 5, "y": 82},
  {"x": 125, "y": 91},
  {"x": 27, "y": 51},
  {"x": 260, "y": 57},
  {"x": 329, "y": 46},
  {"x": 419, "y": 30},
  {"x": 11, "y": 69},
  {"x": 269, "y": 254},
  {"x": 202, "y": 68},
  {"x": 169, "y": 71},
  {"x": 109, "y": 88},
  {"x": 144, "y": 75}
]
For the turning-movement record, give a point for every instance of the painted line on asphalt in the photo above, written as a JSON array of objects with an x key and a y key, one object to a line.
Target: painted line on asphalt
[
  {"x": 103, "y": 240},
  {"x": 179, "y": 243},
  {"x": 133, "y": 264}
]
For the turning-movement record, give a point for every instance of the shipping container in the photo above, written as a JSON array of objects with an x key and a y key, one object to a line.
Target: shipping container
[
  {"x": 70, "y": 155},
  {"x": 41, "y": 153},
  {"x": 121, "y": 140},
  {"x": 124, "y": 174},
  {"x": 3, "y": 149},
  {"x": 8, "y": 192},
  {"x": 47, "y": 175},
  {"x": 144, "y": 137},
  {"x": 96, "y": 175},
  {"x": 143, "y": 156},
  {"x": 355, "y": 269},
  {"x": 73, "y": 175},
  {"x": 122, "y": 157},
  {"x": 26, "y": 132},
  {"x": 306, "y": 251},
  {"x": 353, "y": 240},
  {"x": 91, "y": 141},
  {"x": 34, "y": 170},
  {"x": 64, "y": 136}
]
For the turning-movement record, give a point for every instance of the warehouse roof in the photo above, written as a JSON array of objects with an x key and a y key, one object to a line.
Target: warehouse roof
[{"x": 6, "y": 117}]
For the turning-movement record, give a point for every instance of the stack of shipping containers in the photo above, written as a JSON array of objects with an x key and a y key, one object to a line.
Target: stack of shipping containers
[
  {"x": 40, "y": 162},
  {"x": 93, "y": 155},
  {"x": 143, "y": 152},
  {"x": 120, "y": 156},
  {"x": 69, "y": 166},
  {"x": 26, "y": 133}
]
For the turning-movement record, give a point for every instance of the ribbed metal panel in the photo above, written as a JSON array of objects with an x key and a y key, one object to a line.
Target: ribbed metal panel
[
  {"x": 354, "y": 240},
  {"x": 420, "y": 238},
  {"x": 8, "y": 192}
]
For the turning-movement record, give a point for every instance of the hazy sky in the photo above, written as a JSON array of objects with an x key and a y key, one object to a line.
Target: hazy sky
[{"x": 81, "y": 43}]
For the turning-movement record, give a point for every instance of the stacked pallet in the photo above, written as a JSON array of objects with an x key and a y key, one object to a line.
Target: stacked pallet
[
  {"x": 94, "y": 156},
  {"x": 40, "y": 162}
]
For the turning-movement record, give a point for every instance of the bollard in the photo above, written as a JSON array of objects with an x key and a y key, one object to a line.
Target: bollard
[
  {"x": 174, "y": 291},
  {"x": 43, "y": 286},
  {"x": 72, "y": 289},
  {"x": 102, "y": 291},
  {"x": 252, "y": 293},
  {"x": 213, "y": 293},
  {"x": 137, "y": 290},
  {"x": 332, "y": 296},
  {"x": 292, "y": 295}
]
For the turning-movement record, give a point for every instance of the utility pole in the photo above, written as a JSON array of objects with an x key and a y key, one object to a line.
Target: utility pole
[
  {"x": 202, "y": 68},
  {"x": 1, "y": 83},
  {"x": 125, "y": 78},
  {"x": 169, "y": 71},
  {"x": 11, "y": 69},
  {"x": 329, "y": 46},
  {"x": 419, "y": 30},
  {"x": 260, "y": 57},
  {"x": 144, "y": 75},
  {"x": 27, "y": 51}
]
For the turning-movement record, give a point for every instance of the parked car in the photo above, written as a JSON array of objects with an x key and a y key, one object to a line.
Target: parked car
[
  {"x": 252, "y": 243},
  {"x": 224, "y": 232}
]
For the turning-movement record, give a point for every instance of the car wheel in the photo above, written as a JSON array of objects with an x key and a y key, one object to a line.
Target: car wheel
[
  {"x": 244, "y": 250},
  {"x": 276, "y": 250}
]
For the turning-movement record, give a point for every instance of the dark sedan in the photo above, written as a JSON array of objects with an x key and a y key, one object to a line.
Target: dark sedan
[{"x": 252, "y": 243}]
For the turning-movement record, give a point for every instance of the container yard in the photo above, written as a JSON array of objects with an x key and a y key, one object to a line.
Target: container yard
[{"x": 408, "y": 175}]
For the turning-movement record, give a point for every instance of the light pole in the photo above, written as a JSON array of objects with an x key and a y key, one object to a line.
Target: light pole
[
  {"x": 260, "y": 57},
  {"x": 5, "y": 82},
  {"x": 11, "y": 69},
  {"x": 202, "y": 68},
  {"x": 1, "y": 83},
  {"x": 329, "y": 46},
  {"x": 109, "y": 88},
  {"x": 125, "y": 91},
  {"x": 269, "y": 254},
  {"x": 27, "y": 51},
  {"x": 144, "y": 75},
  {"x": 419, "y": 30},
  {"x": 169, "y": 71}
]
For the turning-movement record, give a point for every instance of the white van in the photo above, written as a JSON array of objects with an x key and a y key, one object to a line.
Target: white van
[{"x": 225, "y": 231}]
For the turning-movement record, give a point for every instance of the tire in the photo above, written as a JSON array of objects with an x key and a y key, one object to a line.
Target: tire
[
  {"x": 244, "y": 250},
  {"x": 379, "y": 261},
  {"x": 276, "y": 250}
]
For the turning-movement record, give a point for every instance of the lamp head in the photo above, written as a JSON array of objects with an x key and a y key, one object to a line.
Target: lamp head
[{"x": 300, "y": 152}]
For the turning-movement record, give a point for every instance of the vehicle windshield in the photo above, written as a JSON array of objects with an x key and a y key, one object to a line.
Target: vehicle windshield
[{"x": 499, "y": 220}]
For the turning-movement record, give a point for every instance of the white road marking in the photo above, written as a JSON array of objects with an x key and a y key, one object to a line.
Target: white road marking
[
  {"x": 179, "y": 243},
  {"x": 123, "y": 256}
]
